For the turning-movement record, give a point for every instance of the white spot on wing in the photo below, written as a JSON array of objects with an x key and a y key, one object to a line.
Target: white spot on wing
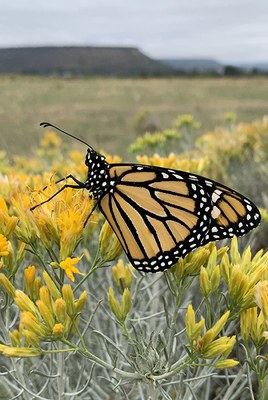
[
  {"x": 215, "y": 212},
  {"x": 215, "y": 197}
]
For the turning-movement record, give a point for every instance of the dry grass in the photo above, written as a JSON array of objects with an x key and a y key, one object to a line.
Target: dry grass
[{"x": 102, "y": 110}]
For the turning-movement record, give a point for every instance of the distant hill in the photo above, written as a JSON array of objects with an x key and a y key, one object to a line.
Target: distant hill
[
  {"x": 118, "y": 61},
  {"x": 193, "y": 65}
]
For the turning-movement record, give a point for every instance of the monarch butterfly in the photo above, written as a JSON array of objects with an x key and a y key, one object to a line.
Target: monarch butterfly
[{"x": 160, "y": 214}]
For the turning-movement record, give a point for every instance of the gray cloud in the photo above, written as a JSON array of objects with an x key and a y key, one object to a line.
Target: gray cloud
[{"x": 222, "y": 29}]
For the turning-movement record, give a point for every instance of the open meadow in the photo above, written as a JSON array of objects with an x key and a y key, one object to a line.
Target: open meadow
[{"x": 103, "y": 111}]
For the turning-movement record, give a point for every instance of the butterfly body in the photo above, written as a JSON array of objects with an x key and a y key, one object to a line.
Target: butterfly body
[{"x": 160, "y": 215}]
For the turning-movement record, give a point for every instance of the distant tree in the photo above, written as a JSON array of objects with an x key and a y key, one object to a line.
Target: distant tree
[{"x": 231, "y": 70}]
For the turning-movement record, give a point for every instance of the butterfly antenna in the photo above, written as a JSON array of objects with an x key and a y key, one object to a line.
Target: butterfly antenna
[{"x": 46, "y": 124}]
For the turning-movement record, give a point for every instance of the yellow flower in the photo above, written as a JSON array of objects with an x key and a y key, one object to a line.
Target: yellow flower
[
  {"x": 252, "y": 325},
  {"x": 109, "y": 244},
  {"x": 62, "y": 219},
  {"x": 241, "y": 273},
  {"x": 7, "y": 224},
  {"x": 120, "y": 310},
  {"x": 58, "y": 330},
  {"x": 122, "y": 275},
  {"x": 210, "y": 276},
  {"x": 26, "y": 231},
  {"x": 46, "y": 313},
  {"x": 80, "y": 303},
  {"x": 193, "y": 329},
  {"x": 68, "y": 266},
  {"x": 261, "y": 296},
  {"x": 54, "y": 291},
  {"x": 29, "y": 274},
  {"x": 199, "y": 166},
  {"x": 3, "y": 246},
  {"x": 228, "y": 363},
  {"x": 50, "y": 140},
  {"x": 187, "y": 121},
  {"x": 34, "y": 324},
  {"x": 60, "y": 310},
  {"x": 25, "y": 303},
  {"x": 7, "y": 286},
  {"x": 20, "y": 351}
]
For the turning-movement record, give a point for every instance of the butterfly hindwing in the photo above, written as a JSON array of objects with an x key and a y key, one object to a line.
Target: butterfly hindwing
[{"x": 232, "y": 213}]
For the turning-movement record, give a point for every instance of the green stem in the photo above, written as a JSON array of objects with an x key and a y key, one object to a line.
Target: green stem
[
  {"x": 126, "y": 332},
  {"x": 173, "y": 371},
  {"x": 60, "y": 378},
  {"x": 90, "y": 272},
  {"x": 45, "y": 267},
  {"x": 172, "y": 330},
  {"x": 208, "y": 313},
  {"x": 95, "y": 359}
]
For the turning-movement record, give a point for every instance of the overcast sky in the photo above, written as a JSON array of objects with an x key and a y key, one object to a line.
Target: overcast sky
[{"x": 226, "y": 30}]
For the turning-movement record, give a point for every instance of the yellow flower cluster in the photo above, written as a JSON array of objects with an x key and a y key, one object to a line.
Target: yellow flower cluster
[
  {"x": 187, "y": 121},
  {"x": 254, "y": 321},
  {"x": 239, "y": 144},
  {"x": 46, "y": 313},
  {"x": 60, "y": 221},
  {"x": 207, "y": 346},
  {"x": 197, "y": 166},
  {"x": 241, "y": 273},
  {"x": 193, "y": 264}
]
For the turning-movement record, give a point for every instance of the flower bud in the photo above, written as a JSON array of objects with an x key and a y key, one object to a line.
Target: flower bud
[
  {"x": 31, "y": 339},
  {"x": 46, "y": 313},
  {"x": 58, "y": 330},
  {"x": 29, "y": 274},
  {"x": 21, "y": 352},
  {"x": 25, "y": 303},
  {"x": 126, "y": 302},
  {"x": 55, "y": 293},
  {"x": 30, "y": 322},
  {"x": 122, "y": 275},
  {"x": 15, "y": 338},
  {"x": 204, "y": 282},
  {"x": 68, "y": 296},
  {"x": 3, "y": 246},
  {"x": 215, "y": 330},
  {"x": 36, "y": 287},
  {"x": 109, "y": 244},
  {"x": 120, "y": 310},
  {"x": 193, "y": 329},
  {"x": 81, "y": 302},
  {"x": 228, "y": 363},
  {"x": 60, "y": 310},
  {"x": 7, "y": 286}
]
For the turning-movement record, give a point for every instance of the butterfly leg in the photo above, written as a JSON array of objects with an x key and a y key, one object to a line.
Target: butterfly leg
[
  {"x": 91, "y": 212},
  {"x": 81, "y": 186},
  {"x": 70, "y": 176}
]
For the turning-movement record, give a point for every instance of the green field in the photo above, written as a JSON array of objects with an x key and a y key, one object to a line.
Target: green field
[{"x": 102, "y": 111}]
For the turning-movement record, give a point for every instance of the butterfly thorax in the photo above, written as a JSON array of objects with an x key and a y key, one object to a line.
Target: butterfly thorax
[{"x": 98, "y": 180}]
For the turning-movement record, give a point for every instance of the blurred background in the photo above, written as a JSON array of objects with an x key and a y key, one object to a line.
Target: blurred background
[{"x": 109, "y": 71}]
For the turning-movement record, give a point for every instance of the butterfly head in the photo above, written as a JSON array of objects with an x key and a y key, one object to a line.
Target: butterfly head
[{"x": 97, "y": 180}]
